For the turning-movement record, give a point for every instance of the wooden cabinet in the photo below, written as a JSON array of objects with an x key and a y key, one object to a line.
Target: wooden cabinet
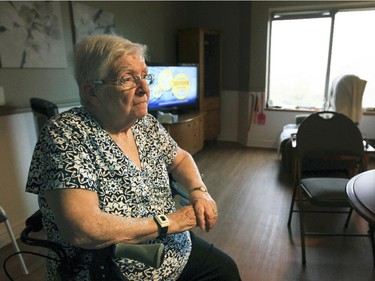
[
  {"x": 188, "y": 132},
  {"x": 203, "y": 47}
]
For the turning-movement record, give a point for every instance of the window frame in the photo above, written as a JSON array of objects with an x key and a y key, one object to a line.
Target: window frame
[{"x": 307, "y": 12}]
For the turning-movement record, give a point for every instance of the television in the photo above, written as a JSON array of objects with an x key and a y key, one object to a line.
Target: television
[{"x": 175, "y": 88}]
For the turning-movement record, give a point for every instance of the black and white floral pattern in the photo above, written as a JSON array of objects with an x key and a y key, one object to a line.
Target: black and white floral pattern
[{"x": 73, "y": 151}]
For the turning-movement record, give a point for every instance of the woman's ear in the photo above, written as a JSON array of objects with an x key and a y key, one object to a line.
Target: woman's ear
[{"x": 88, "y": 91}]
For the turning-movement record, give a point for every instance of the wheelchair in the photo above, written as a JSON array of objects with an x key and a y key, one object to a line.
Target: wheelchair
[{"x": 102, "y": 267}]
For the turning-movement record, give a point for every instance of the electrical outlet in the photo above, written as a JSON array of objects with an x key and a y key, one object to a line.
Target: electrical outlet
[{"x": 2, "y": 96}]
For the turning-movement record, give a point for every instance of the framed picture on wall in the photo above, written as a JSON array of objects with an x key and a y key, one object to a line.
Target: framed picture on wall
[
  {"x": 89, "y": 20},
  {"x": 31, "y": 35}
]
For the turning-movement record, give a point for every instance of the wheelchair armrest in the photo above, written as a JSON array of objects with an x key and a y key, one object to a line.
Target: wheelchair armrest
[
  {"x": 102, "y": 266},
  {"x": 176, "y": 191},
  {"x": 150, "y": 254},
  {"x": 34, "y": 224}
]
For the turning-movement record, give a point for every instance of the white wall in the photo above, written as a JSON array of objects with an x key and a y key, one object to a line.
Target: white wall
[
  {"x": 235, "y": 118},
  {"x": 229, "y": 116},
  {"x": 17, "y": 141}
]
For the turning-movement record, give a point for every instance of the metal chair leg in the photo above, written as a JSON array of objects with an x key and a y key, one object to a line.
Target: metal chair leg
[
  {"x": 348, "y": 218},
  {"x": 302, "y": 226},
  {"x": 292, "y": 206},
  {"x": 372, "y": 237},
  {"x": 14, "y": 242}
]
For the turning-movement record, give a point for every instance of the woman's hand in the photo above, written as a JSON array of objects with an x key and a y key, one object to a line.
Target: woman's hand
[
  {"x": 185, "y": 171},
  {"x": 183, "y": 219},
  {"x": 205, "y": 209}
]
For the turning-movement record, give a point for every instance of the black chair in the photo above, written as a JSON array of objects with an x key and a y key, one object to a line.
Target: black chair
[
  {"x": 42, "y": 110},
  {"x": 329, "y": 151}
]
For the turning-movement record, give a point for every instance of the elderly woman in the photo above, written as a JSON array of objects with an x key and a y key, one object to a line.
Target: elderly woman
[{"x": 101, "y": 173}]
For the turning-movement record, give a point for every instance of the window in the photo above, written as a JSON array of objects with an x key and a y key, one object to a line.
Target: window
[{"x": 308, "y": 50}]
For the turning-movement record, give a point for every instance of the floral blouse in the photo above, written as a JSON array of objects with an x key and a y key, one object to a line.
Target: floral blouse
[{"x": 73, "y": 151}]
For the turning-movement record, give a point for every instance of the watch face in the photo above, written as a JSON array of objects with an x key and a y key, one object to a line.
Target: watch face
[{"x": 162, "y": 220}]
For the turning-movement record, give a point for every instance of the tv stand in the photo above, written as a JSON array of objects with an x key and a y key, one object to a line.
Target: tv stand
[{"x": 188, "y": 132}]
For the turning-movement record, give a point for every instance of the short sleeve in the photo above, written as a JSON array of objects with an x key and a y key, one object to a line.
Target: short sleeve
[{"x": 61, "y": 160}]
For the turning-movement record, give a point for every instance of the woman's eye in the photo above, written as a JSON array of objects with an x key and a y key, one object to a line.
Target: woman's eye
[{"x": 126, "y": 79}]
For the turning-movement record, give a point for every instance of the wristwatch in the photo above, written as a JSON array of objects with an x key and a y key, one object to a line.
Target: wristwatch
[
  {"x": 201, "y": 188},
  {"x": 163, "y": 222}
]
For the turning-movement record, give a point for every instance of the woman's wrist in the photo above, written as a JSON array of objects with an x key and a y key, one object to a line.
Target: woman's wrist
[
  {"x": 197, "y": 195},
  {"x": 199, "y": 188}
]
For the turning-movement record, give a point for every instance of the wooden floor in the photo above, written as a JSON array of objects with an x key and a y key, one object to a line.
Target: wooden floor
[{"x": 253, "y": 193}]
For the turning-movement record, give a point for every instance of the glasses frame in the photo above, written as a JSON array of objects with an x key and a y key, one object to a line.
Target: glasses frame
[{"x": 149, "y": 78}]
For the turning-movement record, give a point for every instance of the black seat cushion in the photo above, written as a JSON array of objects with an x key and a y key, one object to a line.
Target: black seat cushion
[{"x": 326, "y": 192}]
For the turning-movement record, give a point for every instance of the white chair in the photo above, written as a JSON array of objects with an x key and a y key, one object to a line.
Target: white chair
[{"x": 4, "y": 218}]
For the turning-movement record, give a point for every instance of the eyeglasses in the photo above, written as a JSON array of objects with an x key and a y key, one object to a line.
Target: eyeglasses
[{"x": 127, "y": 82}]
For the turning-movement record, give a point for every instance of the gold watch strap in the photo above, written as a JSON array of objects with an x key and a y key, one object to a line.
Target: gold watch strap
[{"x": 200, "y": 188}]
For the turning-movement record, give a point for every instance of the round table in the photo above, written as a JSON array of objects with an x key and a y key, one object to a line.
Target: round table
[{"x": 361, "y": 193}]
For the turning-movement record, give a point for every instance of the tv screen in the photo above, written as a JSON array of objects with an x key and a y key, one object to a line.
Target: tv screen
[{"x": 175, "y": 88}]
